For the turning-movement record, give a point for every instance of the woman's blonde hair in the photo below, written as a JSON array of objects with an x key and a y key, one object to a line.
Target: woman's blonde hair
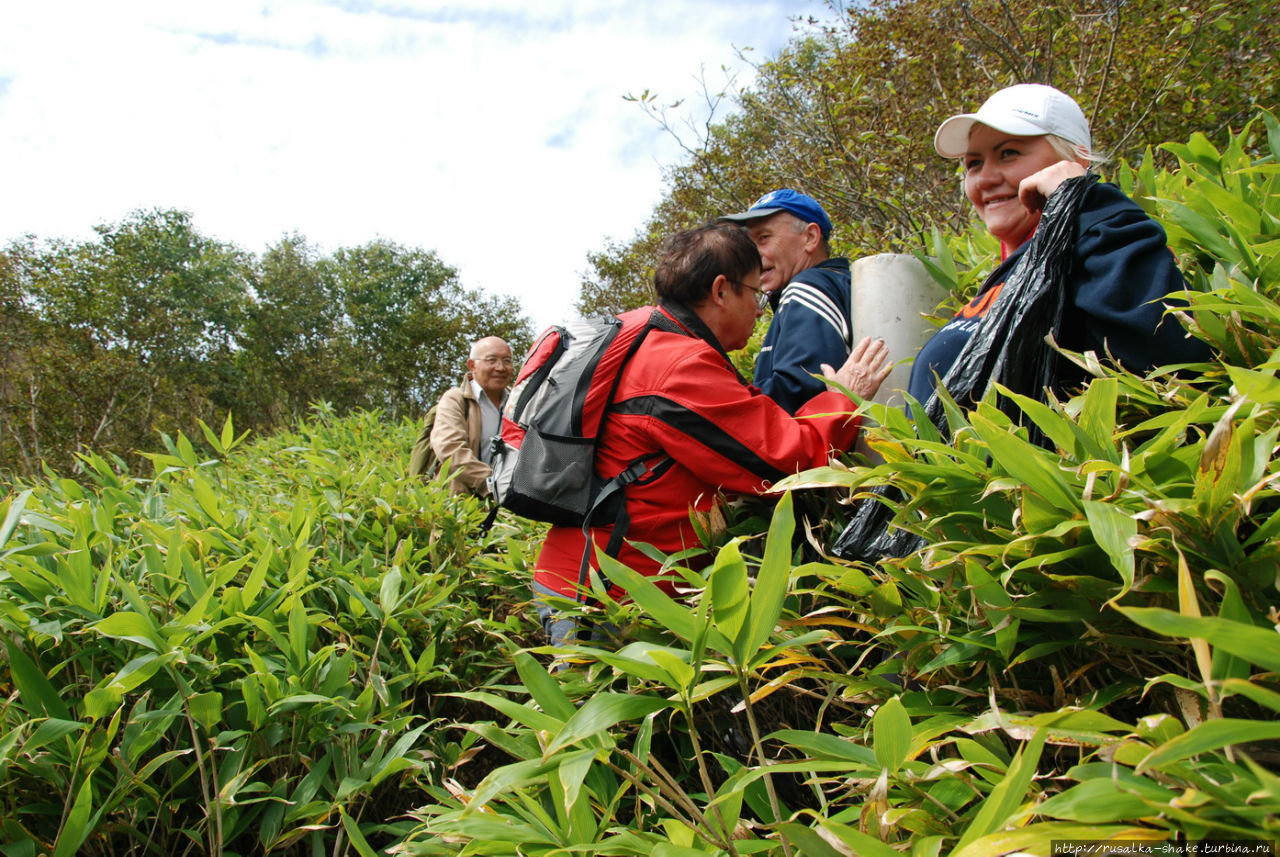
[{"x": 1074, "y": 151}]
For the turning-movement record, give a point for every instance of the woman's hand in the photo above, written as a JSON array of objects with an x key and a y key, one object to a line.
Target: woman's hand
[
  {"x": 865, "y": 370},
  {"x": 1035, "y": 189}
]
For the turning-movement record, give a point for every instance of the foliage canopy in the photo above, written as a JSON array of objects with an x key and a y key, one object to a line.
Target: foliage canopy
[{"x": 152, "y": 327}]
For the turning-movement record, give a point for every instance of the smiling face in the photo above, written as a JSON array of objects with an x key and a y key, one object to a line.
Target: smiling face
[
  {"x": 491, "y": 366},
  {"x": 994, "y": 167},
  {"x": 787, "y": 246}
]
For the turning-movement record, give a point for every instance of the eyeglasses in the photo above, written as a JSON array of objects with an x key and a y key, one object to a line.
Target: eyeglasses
[
  {"x": 762, "y": 297},
  {"x": 494, "y": 361}
]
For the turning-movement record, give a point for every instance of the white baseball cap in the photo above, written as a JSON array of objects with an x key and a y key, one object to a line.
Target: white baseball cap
[{"x": 1027, "y": 110}]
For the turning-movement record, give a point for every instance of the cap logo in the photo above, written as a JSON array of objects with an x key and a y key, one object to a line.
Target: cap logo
[
  {"x": 765, "y": 200},
  {"x": 1031, "y": 113}
]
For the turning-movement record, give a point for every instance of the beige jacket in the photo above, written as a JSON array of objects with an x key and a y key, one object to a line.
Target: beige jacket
[{"x": 456, "y": 439}]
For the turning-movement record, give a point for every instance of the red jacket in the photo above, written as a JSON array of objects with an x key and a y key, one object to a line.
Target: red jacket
[{"x": 680, "y": 396}]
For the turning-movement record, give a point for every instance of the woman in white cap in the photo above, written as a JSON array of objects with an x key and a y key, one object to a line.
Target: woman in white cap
[{"x": 1023, "y": 143}]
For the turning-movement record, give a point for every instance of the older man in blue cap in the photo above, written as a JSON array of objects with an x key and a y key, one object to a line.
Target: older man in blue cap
[{"x": 809, "y": 292}]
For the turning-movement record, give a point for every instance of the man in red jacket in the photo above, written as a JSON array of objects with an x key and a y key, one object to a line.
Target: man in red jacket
[{"x": 681, "y": 401}]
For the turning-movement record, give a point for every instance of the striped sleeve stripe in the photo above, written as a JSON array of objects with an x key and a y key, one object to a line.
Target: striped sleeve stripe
[
  {"x": 819, "y": 304},
  {"x": 700, "y": 429}
]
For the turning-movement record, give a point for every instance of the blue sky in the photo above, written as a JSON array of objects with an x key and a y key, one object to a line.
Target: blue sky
[{"x": 494, "y": 133}]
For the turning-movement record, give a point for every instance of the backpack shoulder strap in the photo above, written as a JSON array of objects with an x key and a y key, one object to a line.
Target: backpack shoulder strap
[{"x": 633, "y": 472}]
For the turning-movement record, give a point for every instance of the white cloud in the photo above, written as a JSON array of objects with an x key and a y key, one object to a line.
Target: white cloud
[{"x": 493, "y": 133}]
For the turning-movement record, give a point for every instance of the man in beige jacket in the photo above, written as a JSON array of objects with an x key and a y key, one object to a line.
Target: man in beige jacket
[{"x": 467, "y": 416}]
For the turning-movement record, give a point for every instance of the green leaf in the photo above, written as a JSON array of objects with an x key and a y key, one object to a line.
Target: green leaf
[
  {"x": 807, "y": 842},
  {"x": 891, "y": 734},
  {"x": 544, "y": 689},
  {"x": 730, "y": 594},
  {"x": 1098, "y": 417},
  {"x": 676, "y": 665},
  {"x": 1039, "y": 838},
  {"x": 641, "y": 659},
  {"x": 101, "y": 701},
  {"x": 1069, "y": 721},
  {"x": 671, "y": 615},
  {"x": 1025, "y": 462},
  {"x": 13, "y": 515},
  {"x": 1064, "y": 433},
  {"x": 127, "y": 625},
  {"x": 732, "y": 793},
  {"x": 603, "y": 711},
  {"x": 389, "y": 590},
  {"x": 298, "y": 633},
  {"x": 522, "y": 714},
  {"x": 1105, "y": 799},
  {"x": 37, "y": 692},
  {"x": 253, "y": 583},
  {"x": 213, "y": 440},
  {"x": 770, "y": 591},
  {"x": 860, "y": 843},
  {"x": 985, "y": 587},
  {"x": 843, "y": 578},
  {"x": 352, "y": 828},
  {"x": 1261, "y": 695},
  {"x": 49, "y": 731},
  {"x": 821, "y": 745},
  {"x": 508, "y": 777},
  {"x": 396, "y": 758},
  {"x": 1008, "y": 795},
  {"x": 667, "y": 849},
  {"x": 251, "y": 693},
  {"x": 1114, "y": 531},
  {"x": 573, "y": 770},
  {"x": 1250, "y": 643},
  {"x": 208, "y": 499},
  {"x": 1204, "y": 230},
  {"x": 206, "y": 708},
  {"x": 1232, "y": 607},
  {"x": 228, "y": 435},
  {"x": 1208, "y": 736},
  {"x": 76, "y": 827}
]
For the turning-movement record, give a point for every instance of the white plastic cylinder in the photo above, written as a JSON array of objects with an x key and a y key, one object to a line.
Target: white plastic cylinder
[{"x": 891, "y": 295}]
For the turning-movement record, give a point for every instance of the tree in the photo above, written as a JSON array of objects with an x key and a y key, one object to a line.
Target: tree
[
  {"x": 290, "y": 358},
  {"x": 622, "y": 276},
  {"x": 119, "y": 337},
  {"x": 407, "y": 322},
  {"x": 152, "y": 327}
]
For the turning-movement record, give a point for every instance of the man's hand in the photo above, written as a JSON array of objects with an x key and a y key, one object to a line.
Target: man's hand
[{"x": 865, "y": 370}]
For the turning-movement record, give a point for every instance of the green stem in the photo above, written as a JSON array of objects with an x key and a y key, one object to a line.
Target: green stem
[
  {"x": 657, "y": 795},
  {"x": 666, "y": 783},
  {"x": 705, "y": 775},
  {"x": 758, "y": 747}
]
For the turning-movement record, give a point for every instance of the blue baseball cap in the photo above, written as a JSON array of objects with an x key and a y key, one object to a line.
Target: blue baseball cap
[{"x": 785, "y": 199}]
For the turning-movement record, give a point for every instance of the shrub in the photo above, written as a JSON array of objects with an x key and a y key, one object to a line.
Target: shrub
[{"x": 248, "y": 652}]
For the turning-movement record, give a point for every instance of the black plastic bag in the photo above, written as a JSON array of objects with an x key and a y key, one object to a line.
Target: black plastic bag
[{"x": 1009, "y": 348}]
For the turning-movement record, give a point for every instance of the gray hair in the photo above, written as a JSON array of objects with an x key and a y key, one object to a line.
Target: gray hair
[{"x": 799, "y": 224}]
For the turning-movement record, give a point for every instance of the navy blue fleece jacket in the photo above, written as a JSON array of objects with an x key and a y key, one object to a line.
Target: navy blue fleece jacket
[{"x": 811, "y": 326}]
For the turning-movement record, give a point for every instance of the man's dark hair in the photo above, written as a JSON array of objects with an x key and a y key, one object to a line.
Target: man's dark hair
[{"x": 691, "y": 260}]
